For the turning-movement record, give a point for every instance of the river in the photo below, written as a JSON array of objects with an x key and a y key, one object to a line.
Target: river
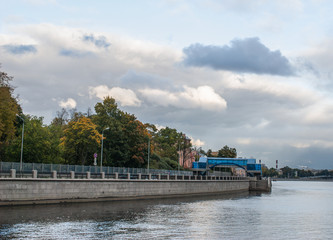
[{"x": 293, "y": 210}]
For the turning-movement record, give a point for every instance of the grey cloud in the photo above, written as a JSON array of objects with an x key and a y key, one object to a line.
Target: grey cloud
[
  {"x": 243, "y": 55},
  {"x": 308, "y": 66},
  {"x": 139, "y": 80},
  {"x": 312, "y": 157},
  {"x": 20, "y": 49},
  {"x": 73, "y": 53},
  {"x": 98, "y": 41}
]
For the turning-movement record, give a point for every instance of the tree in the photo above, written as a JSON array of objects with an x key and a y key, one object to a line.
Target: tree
[
  {"x": 324, "y": 172},
  {"x": 198, "y": 153},
  {"x": 126, "y": 139},
  {"x": 269, "y": 172},
  {"x": 167, "y": 142},
  {"x": 41, "y": 143},
  {"x": 305, "y": 173},
  {"x": 288, "y": 172},
  {"x": 8, "y": 110},
  {"x": 157, "y": 162},
  {"x": 81, "y": 139},
  {"x": 209, "y": 153},
  {"x": 61, "y": 118},
  {"x": 171, "y": 144},
  {"x": 227, "y": 152},
  {"x": 137, "y": 140}
]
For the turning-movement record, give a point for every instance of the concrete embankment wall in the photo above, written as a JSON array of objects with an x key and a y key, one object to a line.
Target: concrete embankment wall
[
  {"x": 261, "y": 185},
  {"x": 29, "y": 191}
]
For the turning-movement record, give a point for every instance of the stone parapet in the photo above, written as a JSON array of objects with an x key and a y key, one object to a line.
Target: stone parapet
[{"x": 23, "y": 191}]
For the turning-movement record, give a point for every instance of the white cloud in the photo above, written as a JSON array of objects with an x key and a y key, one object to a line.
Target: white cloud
[
  {"x": 320, "y": 112},
  {"x": 41, "y": 2},
  {"x": 295, "y": 91},
  {"x": 197, "y": 142},
  {"x": 244, "y": 141},
  {"x": 311, "y": 143},
  {"x": 321, "y": 55},
  {"x": 126, "y": 97},
  {"x": 203, "y": 97},
  {"x": 301, "y": 145},
  {"x": 159, "y": 127},
  {"x": 69, "y": 103}
]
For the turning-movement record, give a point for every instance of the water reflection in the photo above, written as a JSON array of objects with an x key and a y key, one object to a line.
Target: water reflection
[
  {"x": 103, "y": 219},
  {"x": 109, "y": 210}
]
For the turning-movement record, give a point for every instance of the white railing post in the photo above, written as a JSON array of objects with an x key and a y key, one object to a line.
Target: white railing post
[{"x": 54, "y": 174}]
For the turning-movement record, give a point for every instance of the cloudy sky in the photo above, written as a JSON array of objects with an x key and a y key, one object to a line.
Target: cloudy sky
[{"x": 255, "y": 75}]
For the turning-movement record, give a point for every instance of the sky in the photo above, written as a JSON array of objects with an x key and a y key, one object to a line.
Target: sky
[{"x": 255, "y": 75}]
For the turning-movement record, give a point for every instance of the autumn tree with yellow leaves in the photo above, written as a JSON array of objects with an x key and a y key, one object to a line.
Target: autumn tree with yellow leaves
[
  {"x": 80, "y": 141},
  {"x": 8, "y": 108}
]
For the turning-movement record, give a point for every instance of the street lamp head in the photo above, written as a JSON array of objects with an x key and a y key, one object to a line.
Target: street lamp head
[
  {"x": 105, "y": 129},
  {"x": 20, "y": 117}
]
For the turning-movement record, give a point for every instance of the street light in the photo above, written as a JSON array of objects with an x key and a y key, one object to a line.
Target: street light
[
  {"x": 179, "y": 156},
  {"x": 148, "y": 152},
  {"x": 21, "y": 162},
  {"x": 102, "y": 147}
]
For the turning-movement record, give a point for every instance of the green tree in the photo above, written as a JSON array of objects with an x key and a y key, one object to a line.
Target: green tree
[
  {"x": 167, "y": 142},
  {"x": 57, "y": 150},
  {"x": 324, "y": 172},
  {"x": 227, "y": 152},
  {"x": 305, "y": 173},
  {"x": 137, "y": 140},
  {"x": 269, "y": 172},
  {"x": 41, "y": 143},
  {"x": 209, "y": 153},
  {"x": 61, "y": 119},
  {"x": 80, "y": 141},
  {"x": 158, "y": 162},
  {"x": 126, "y": 140},
  {"x": 288, "y": 172}
]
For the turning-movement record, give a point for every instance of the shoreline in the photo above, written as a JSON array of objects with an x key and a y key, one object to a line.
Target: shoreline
[
  {"x": 300, "y": 180},
  {"x": 43, "y": 191}
]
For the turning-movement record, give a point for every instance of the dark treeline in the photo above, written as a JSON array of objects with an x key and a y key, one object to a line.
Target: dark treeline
[{"x": 287, "y": 172}]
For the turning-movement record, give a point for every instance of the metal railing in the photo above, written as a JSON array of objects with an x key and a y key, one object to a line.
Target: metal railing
[{"x": 5, "y": 167}]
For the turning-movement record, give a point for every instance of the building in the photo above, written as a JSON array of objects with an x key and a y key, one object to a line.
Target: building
[
  {"x": 220, "y": 166},
  {"x": 186, "y": 155}
]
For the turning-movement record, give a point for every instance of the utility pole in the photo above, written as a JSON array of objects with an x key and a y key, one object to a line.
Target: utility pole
[
  {"x": 102, "y": 148},
  {"x": 21, "y": 159},
  {"x": 148, "y": 152}
]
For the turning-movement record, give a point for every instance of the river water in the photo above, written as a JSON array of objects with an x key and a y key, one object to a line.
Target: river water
[{"x": 293, "y": 210}]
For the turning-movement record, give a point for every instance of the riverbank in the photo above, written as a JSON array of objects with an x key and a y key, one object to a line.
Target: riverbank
[
  {"x": 303, "y": 179},
  {"x": 18, "y": 191}
]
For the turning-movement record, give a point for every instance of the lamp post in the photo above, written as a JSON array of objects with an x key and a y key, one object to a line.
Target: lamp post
[
  {"x": 148, "y": 152},
  {"x": 21, "y": 161},
  {"x": 179, "y": 156},
  {"x": 102, "y": 148}
]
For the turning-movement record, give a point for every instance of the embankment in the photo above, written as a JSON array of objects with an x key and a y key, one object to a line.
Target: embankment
[
  {"x": 261, "y": 185},
  {"x": 16, "y": 191}
]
